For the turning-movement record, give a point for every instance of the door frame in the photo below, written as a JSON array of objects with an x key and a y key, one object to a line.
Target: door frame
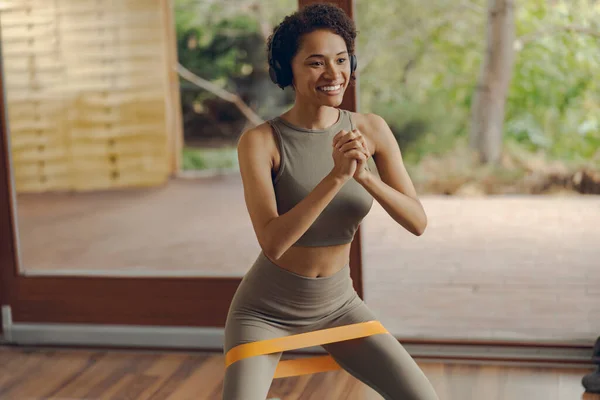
[{"x": 183, "y": 301}]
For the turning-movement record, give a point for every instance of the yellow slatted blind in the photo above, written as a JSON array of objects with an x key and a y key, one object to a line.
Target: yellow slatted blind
[{"x": 86, "y": 86}]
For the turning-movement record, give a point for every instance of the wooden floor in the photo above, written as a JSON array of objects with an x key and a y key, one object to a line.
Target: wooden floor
[
  {"x": 28, "y": 374},
  {"x": 535, "y": 256}
]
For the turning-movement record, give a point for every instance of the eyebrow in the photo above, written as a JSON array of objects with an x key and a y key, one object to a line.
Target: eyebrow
[{"x": 321, "y": 55}]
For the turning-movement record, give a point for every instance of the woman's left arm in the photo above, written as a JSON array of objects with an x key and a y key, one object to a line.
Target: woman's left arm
[{"x": 395, "y": 190}]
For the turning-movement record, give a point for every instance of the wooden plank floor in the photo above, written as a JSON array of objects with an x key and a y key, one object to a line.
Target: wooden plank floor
[
  {"x": 536, "y": 256},
  {"x": 63, "y": 374}
]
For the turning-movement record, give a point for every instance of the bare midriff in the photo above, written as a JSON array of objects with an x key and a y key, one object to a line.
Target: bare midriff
[{"x": 315, "y": 262}]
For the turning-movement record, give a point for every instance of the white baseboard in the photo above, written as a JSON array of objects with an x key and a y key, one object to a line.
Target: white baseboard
[{"x": 211, "y": 339}]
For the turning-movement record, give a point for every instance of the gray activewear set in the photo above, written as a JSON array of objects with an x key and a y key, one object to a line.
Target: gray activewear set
[{"x": 273, "y": 302}]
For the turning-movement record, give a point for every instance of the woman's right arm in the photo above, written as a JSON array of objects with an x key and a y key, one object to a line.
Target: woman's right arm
[{"x": 277, "y": 233}]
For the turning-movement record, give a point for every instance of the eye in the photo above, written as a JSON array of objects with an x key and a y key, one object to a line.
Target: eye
[
  {"x": 316, "y": 63},
  {"x": 341, "y": 60}
]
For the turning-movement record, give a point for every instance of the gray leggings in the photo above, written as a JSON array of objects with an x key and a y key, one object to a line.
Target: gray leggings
[{"x": 273, "y": 302}]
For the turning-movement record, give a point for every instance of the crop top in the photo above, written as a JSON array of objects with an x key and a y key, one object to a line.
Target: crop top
[{"x": 306, "y": 158}]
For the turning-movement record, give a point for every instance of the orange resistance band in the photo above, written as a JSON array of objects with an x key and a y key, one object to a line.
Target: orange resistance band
[{"x": 304, "y": 366}]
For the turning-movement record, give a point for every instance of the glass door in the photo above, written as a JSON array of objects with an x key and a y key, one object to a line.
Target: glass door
[{"x": 510, "y": 255}]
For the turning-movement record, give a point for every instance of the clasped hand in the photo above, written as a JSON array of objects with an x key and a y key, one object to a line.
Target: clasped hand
[{"x": 350, "y": 154}]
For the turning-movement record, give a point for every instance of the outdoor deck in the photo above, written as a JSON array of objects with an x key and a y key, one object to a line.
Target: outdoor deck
[{"x": 487, "y": 268}]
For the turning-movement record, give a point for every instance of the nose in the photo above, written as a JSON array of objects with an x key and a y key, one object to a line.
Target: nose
[{"x": 333, "y": 71}]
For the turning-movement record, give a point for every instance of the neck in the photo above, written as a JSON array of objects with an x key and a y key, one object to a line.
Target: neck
[{"x": 309, "y": 116}]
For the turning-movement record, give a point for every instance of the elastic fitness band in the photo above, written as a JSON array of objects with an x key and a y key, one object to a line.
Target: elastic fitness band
[{"x": 304, "y": 366}]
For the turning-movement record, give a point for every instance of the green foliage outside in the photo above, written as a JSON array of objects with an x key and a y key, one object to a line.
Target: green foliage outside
[
  {"x": 423, "y": 68},
  {"x": 554, "y": 101},
  {"x": 419, "y": 66},
  {"x": 209, "y": 39},
  {"x": 224, "y": 42},
  {"x": 220, "y": 158}
]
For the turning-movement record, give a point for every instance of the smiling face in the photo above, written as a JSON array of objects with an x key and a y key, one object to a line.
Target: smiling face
[{"x": 321, "y": 69}]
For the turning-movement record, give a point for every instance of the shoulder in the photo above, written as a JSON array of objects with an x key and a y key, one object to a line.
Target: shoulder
[
  {"x": 368, "y": 121},
  {"x": 260, "y": 136},
  {"x": 373, "y": 127}
]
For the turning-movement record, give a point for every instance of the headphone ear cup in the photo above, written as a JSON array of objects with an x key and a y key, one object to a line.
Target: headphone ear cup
[
  {"x": 353, "y": 63},
  {"x": 285, "y": 77},
  {"x": 273, "y": 75}
]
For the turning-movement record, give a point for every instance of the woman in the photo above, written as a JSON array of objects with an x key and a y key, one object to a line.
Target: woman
[{"x": 307, "y": 187}]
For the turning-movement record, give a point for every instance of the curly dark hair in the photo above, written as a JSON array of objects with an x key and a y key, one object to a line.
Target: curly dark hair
[{"x": 284, "y": 42}]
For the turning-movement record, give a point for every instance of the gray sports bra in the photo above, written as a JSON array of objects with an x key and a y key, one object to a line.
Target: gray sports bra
[{"x": 305, "y": 160}]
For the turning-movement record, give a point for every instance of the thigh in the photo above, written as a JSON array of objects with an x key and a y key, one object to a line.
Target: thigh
[
  {"x": 379, "y": 361},
  {"x": 241, "y": 329},
  {"x": 382, "y": 363},
  {"x": 250, "y": 378}
]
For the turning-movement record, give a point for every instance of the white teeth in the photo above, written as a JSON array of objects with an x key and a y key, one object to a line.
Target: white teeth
[{"x": 330, "y": 88}]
